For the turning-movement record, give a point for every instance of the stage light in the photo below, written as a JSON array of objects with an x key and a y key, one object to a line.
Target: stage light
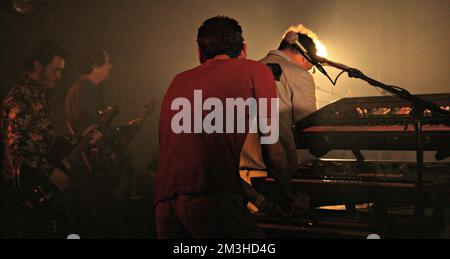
[{"x": 321, "y": 49}]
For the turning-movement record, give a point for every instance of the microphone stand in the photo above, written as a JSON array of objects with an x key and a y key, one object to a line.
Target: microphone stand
[{"x": 419, "y": 106}]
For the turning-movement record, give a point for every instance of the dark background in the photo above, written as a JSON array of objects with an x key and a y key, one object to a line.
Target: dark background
[{"x": 400, "y": 42}]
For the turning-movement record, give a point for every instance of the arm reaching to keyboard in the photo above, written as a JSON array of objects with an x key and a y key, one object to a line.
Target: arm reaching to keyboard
[{"x": 264, "y": 204}]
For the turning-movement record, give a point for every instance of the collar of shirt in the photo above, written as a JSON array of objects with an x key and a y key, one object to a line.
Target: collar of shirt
[
  {"x": 89, "y": 81},
  {"x": 93, "y": 88},
  {"x": 279, "y": 53},
  {"x": 30, "y": 81},
  {"x": 27, "y": 80}
]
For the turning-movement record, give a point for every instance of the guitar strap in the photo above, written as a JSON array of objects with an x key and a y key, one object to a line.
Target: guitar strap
[{"x": 70, "y": 128}]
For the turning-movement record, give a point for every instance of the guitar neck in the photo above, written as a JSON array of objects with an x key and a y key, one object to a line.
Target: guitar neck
[
  {"x": 75, "y": 155},
  {"x": 127, "y": 137}
]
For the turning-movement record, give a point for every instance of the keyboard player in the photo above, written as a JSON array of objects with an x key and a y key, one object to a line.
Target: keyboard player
[{"x": 296, "y": 91}]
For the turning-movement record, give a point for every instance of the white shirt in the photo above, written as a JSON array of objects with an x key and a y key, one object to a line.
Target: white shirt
[{"x": 296, "y": 91}]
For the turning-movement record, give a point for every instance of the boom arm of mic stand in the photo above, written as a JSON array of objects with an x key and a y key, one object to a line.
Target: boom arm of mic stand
[{"x": 333, "y": 64}]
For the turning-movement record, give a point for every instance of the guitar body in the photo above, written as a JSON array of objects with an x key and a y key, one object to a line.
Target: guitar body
[{"x": 33, "y": 189}]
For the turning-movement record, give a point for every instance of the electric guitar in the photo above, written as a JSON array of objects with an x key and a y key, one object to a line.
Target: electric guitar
[
  {"x": 126, "y": 133},
  {"x": 33, "y": 189}
]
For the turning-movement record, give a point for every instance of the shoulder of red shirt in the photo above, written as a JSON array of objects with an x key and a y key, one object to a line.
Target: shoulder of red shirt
[{"x": 245, "y": 65}]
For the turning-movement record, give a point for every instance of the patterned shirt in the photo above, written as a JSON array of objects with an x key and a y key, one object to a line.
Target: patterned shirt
[{"x": 26, "y": 125}]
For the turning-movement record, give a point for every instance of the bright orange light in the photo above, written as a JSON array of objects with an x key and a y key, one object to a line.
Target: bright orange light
[
  {"x": 300, "y": 28},
  {"x": 321, "y": 49}
]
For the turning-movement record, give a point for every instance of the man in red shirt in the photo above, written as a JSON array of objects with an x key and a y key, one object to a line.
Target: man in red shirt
[{"x": 198, "y": 190}]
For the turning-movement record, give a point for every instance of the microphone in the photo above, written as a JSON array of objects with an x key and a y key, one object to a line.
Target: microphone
[
  {"x": 330, "y": 63},
  {"x": 307, "y": 50}
]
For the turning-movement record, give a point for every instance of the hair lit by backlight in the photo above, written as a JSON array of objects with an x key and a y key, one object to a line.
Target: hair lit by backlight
[{"x": 300, "y": 28}]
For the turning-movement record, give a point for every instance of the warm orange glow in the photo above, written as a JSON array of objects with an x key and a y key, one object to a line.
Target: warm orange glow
[{"x": 321, "y": 49}]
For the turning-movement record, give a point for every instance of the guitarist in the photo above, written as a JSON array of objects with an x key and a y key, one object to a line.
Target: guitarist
[
  {"x": 102, "y": 186},
  {"x": 27, "y": 129}
]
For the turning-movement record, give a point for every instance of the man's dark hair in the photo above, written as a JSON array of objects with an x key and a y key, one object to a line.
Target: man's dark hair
[
  {"x": 91, "y": 57},
  {"x": 44, "y": 52},
  {"x": 304, "y": 39},
  {"x": 220, "y": 35}
]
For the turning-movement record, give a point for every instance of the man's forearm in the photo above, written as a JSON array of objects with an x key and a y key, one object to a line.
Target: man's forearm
[{"x": 278, "y": 165}]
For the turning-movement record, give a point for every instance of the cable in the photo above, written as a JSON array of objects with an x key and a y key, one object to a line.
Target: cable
[{"x": 334, "y": 82}]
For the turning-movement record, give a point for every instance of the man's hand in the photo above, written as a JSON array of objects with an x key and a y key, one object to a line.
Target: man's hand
[
  {"x": 270, "y": 208},
  {"x": 59, "y": 179},
  {"x": 136, "y": 122},
  {"x": 95, "y": 136}
]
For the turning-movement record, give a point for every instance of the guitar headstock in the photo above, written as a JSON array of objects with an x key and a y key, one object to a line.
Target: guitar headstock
[{"x": 108, "y": 114}]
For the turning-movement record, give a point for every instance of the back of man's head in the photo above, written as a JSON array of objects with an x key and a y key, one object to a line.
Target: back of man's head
[
  {"x": 306, "y": 41},
  {"x": 91, "y": 57},
  {"x": 220, "y": 35},
  {"x": 44, "y": 53}
]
